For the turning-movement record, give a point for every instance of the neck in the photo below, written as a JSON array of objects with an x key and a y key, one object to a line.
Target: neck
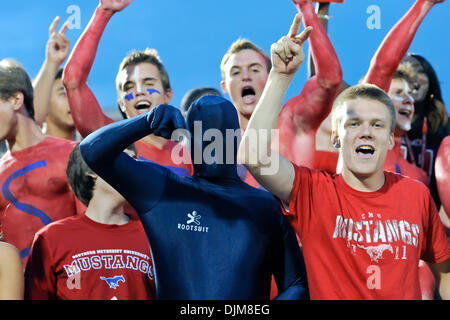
[
  {"x": 106, "y": 209},
  {"x": 369, "y": 183},
  {"x": 243, "y": 121},
  {"x": 59, "y": 132},
  {"x": 26, "y": 134}
]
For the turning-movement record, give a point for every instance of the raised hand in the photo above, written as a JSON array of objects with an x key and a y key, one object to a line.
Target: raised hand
[
  {"x": 287, "y": 53},
  {"x": 114, "y": 5},
  {"x": 58, "y": 45}
]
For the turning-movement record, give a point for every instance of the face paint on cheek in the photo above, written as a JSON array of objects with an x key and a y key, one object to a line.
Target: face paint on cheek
[
  {"x": 152, "y": 91},
  {"x": 129, "y": 97}
]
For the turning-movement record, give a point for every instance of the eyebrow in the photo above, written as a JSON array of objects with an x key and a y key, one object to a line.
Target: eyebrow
[
  {"x": 254, "y": 64},
  {"x": 359, "y": 119},
  {"x": 145, "y": 79}
]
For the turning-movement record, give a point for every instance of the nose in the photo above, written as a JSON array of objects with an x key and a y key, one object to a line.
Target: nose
[
  {"x": 139, "y": 89},
  {"x": 366, "y": 130},
  {"x": 245, "y": 75},
  {"x": 408, "y": 99}
]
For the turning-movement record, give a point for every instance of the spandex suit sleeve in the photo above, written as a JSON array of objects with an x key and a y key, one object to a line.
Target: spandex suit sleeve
[
  {"x": 395, "y": 45},
  {"x": 290, "y": 271},
  {"x": 140, "y": 182},
  {"x": 86, "y": 111}
]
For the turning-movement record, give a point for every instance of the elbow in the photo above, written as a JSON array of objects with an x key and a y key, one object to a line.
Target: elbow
[
  {"x": 247, "y": 155},
  {"x": 70, "y": 79},
  {"x": 332, "y": 81}
]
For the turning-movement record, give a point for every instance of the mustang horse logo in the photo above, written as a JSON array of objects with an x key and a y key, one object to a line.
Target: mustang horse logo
[
  {"x": 113, "y": 282},
  {"x": 376, "y": 252}
]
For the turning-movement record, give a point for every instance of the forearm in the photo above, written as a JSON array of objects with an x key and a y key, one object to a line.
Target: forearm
[
  {"x": 395, "y": 45},
  {"x": 43, "y": 84},
  {"x": 322, "y": 13},
  {"x": 86, "y": 111},
  {"x": 83, "y": 55},
  {"x": 327, "y": 66},
  {"x": 257, "y": 138},
  {"x": 107, "y": 143}
]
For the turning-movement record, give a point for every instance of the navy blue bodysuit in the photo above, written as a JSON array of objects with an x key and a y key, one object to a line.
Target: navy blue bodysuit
[{"x": 211, "y": 235}]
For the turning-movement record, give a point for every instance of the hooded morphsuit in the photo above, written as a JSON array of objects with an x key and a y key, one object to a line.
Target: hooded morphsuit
[
  {"x": 215, "y": 135},
  {"x": 211, "y": 235}
]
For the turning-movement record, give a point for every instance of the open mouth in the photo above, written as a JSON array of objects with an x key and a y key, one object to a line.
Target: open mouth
[
  {"x": 406, "y": 112},
  {"x": 365, "y": 150},
  {"x": 248, "y": 95},
  {"x": 144, "y": 105}
]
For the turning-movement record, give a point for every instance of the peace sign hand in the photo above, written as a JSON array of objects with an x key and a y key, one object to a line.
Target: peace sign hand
[
  {"x": 58, "y": 45},
  {"x": 287, "y": 53}
]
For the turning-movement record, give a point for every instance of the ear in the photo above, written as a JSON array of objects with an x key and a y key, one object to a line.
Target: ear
[
  {"x": 391, "y": 142},
  {"x": 335, "y": 140},
  {"x": 168, "y": 94},
  {"x": 224, "y": 87},
  {"x": 17, "y": 100},
  {"x": 121, "y": 103},
  {"x": 92, "y": 175}
]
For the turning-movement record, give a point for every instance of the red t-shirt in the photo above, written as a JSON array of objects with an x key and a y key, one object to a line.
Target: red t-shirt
[
  {"x": 326, "y": 160},
  {"x": 166, "y": 156},
  {"x": 79, "y": 259},
  {"x": 35, "y": 191},
  {"x": 365, "y": 245}
]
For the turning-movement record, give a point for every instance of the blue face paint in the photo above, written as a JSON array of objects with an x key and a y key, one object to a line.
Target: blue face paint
[
  {"x": 129, "y": 96},
  {"x": 152, "y": 91}
]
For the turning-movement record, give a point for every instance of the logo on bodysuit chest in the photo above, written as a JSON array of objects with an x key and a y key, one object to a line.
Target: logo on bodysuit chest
[{"x": 193, "y": 223}]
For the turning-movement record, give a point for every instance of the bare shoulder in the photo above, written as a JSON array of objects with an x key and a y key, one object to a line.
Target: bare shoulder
[{"x": 8, "y": 253}]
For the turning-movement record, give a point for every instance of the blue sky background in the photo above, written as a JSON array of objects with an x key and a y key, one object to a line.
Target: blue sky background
[{"x": 192, "y": 36}]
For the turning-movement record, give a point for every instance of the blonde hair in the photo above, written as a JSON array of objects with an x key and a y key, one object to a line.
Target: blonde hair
[
  {"x": 365, "y": 90},
  {"x": 147, "y": 56},
  {"x": 239, "y": 45}
]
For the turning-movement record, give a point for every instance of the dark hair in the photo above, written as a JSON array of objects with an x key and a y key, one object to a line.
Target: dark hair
[
  {"x": 13, "y": 79},
  {"x": 195, "y": 94},
  {"x": 434, "y": 108},
  {"x": 239, "y": 45},
  {"x": 82, "y": 184}
]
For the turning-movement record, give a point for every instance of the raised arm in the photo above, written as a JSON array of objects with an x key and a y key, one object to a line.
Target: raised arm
[
  {"x": 86, "y": 111},
  {"x": 57, "y": 50},
  {"x": 140, "y": 182},
  {"x": 287, "y": 56},
  {"x": 396, "y": 44},
  {"x": 304, "y": 113}
]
